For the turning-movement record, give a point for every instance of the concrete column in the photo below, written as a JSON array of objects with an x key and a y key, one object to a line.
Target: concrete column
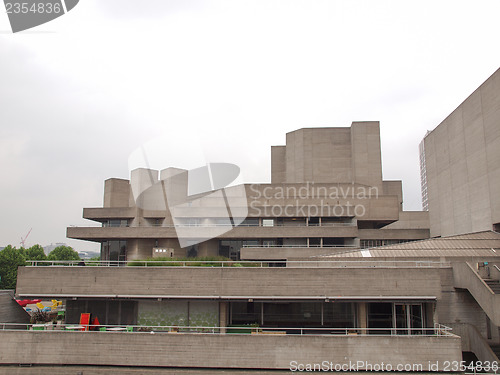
[
  {"x": 362, "y": 317},
  {"x": 223, "y": 316},
  {"x": 431, "y": 314}
]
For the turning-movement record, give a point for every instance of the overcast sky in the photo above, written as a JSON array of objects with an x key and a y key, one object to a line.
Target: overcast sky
[{"x": 79, "y": 94}]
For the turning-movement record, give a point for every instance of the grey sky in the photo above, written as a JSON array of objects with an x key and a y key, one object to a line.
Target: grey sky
[{"x": 79, "y": 94}]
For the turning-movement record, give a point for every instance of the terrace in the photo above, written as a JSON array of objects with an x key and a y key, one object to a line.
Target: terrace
[{"x": 215, "y": 347}]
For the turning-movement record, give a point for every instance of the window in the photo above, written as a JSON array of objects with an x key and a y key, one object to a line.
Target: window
[{"x": 268, "y": 222}]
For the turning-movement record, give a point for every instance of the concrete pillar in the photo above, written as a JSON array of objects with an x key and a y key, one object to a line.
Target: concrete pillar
[
  {"x": 362, "y": 317},
  {"x": 432, "y": 315},
  {"x": 223, "y": 316},
  {"x": 208, "y": 248}
]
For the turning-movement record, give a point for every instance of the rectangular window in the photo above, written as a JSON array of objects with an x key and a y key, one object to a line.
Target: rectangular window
[{"x": 268, "y": 222}]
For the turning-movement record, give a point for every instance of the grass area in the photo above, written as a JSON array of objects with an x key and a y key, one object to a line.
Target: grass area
[{"x": 211, "y": 261}]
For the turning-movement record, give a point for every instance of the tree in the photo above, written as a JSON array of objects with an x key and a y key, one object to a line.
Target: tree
[
  {"x": 35, "y": 252},
  {"x": 63, "y": 253},
  {"x": 10, "y": 259}
]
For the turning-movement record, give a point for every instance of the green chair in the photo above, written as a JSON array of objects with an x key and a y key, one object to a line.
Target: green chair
[
  {"x": 102, "y": 329},
  {"x": 130, "y": 329}
]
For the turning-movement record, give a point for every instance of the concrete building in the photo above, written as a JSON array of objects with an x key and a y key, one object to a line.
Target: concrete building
[
  {"x": 326, "y": 191},
  {"x": 339, "y": 274},
  {"x": 460, "y": 159},
  {"x": 48, "y": 248}
]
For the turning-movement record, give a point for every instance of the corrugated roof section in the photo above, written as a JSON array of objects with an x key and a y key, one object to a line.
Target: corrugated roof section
[{"x": 480, "y": 244}]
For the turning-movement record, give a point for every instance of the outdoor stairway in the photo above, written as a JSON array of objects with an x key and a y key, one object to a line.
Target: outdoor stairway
[
  {"x": 494, "y": 285},
  {"x": 496, "y": 349},
  {"x": 485, "y": 291}
]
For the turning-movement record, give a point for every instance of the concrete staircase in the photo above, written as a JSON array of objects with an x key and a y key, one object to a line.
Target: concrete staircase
[
  {"x": 494, "y": 285},
  {"x": 485, "y": 292}
]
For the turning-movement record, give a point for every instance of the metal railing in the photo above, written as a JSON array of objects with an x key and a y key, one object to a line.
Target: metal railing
[
  {"x": 437, "y": 330},
  {"x": 243, "y": 264},
  {"x": 303, "y": 246}
]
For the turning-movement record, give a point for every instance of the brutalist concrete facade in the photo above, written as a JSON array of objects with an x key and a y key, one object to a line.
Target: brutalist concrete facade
[
  {"x": 326, "y": 194},
  {"x": 462, "y": 165}
]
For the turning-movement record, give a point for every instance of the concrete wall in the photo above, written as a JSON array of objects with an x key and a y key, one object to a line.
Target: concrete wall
[
  {"x": 10, "y": 310},
  {"x": 105, "y": 213},
  {"x": 462, "y": 157},
  {"x": 473, "y": 341},
  {"x": 199, "y": 282},
  {"x": 123, "y": 370},
  {"x": 393, "y": 234},
  {"x": 366, "y": 156},
  {"x": 330, "y": 155},
  {"x": 281, "y": 253},
  {"x": 394, "y": 188},
  {"x": 116, "y": 193},
  {"x": 411, "y": 220},
  {"x": 278, "y": 164},
  {"x": 458, "y": 306},
  {"x": 220, "y": 351}
]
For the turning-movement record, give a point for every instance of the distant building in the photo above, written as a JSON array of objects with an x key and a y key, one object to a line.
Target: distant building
[
  {"x": 48, "y": 248},
  {"x": 88, "y": 254}
]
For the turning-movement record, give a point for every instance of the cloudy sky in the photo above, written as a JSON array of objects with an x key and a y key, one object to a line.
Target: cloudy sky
[{"x": 79, "y": 94}]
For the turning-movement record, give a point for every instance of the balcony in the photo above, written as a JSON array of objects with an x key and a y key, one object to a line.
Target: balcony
[
  {"x": 211, "y": 231},
  {"x": 413, "y": 353},
  {"x": 342, "y": 280}
]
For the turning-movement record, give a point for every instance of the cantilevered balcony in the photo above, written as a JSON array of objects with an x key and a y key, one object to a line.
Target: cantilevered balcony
[{"x": 342, "y": 280}]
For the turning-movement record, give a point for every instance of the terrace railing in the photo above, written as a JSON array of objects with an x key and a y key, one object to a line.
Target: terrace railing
[
  {"x": 437, "y": 330},
  {"x": 232, "y": 263}
]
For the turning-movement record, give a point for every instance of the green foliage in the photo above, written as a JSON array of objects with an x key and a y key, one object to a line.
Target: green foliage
[
  {"x": 39, "y": 316},
  {"x": 94, "y": 261},
  {"x": 35, "y": 252},
  {"x": 210, "y": 261},
  {"x": 10, "y": 259},
  {"x": 63, "y": 253}
]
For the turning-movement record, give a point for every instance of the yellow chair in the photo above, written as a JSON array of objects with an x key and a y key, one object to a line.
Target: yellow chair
[
  {"x": 55, "y": 304},
  {"x": 40, "y": 305}
]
